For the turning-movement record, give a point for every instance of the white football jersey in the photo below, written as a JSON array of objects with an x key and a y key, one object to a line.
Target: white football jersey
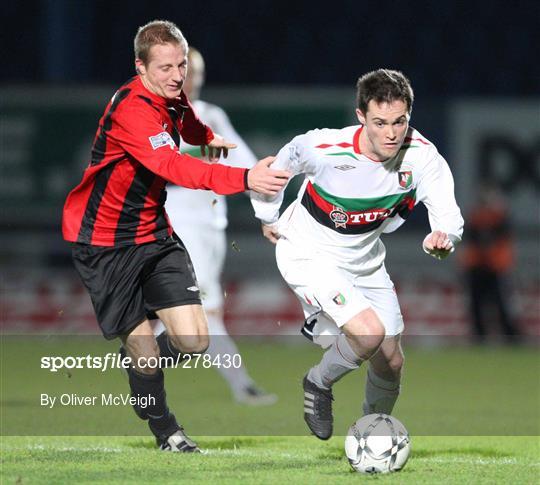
[
  {"x": 204, "y": 207},
  {"x": 348, "y": 200}
]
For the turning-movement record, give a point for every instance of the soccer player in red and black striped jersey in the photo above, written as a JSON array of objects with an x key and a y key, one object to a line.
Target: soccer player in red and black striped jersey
[{"x": 124, "y": 248}]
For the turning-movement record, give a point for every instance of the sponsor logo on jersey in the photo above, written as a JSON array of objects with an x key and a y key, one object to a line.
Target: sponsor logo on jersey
[
  {"x": 344, "y": 167},
  {"x": 405, "y": 179},
  {"x": 160, "y": 140},
  {"x": 339, "y": 217},
  {"x": 368, "y": 216}
]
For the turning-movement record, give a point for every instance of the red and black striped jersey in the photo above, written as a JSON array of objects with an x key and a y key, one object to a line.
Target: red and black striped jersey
[{"x": 120, "y": 200}]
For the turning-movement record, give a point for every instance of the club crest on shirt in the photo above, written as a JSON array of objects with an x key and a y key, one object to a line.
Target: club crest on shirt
[
  {"x": 160, "y": 140},
  {"x": 339, "y": 217},
  {"x": 338, "y": 298},
  {"x": 405, "y": 179}
]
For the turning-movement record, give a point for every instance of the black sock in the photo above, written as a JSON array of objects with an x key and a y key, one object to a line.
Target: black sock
[{"x": 151, "y": 388}]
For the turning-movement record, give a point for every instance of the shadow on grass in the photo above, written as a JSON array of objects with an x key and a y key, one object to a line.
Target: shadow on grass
[
  {"x": 230, "y": 443},
  {"x": 334, "y": 453},
  {"x": 221, "y": 444},
  {"x": 143, "y": 443},
  {"x": 481, "y": 452}
]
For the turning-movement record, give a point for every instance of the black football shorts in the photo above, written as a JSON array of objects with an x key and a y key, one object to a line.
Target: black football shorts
[{"x": 128, "y": 283}]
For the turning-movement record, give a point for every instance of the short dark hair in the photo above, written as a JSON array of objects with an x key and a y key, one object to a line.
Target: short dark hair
[
  {"x": 383, "y": 85},
  {"x": 157, "y": 32}
]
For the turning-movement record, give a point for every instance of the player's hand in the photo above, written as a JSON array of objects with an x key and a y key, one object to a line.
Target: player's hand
[
  {"x": 270, "y": 232},
  {"x": 216, "y": 147},
  {"x": 438, "y": 245},
  {"x": 263, "y": 179}
]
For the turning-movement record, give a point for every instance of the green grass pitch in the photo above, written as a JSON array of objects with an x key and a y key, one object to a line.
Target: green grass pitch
[
  {"x": 258, "y": 459},
  {"x": 473, "y": 415}
]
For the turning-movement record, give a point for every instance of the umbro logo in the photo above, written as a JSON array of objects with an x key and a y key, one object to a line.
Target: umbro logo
[
  {"x": 192, "y": 288},
  {"x": 344, "y": 167}
]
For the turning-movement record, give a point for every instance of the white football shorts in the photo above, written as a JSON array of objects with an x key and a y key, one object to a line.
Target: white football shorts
[{"x": 331, "y": 296}]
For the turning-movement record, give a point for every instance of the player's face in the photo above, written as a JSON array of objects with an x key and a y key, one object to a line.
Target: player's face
[
  {"x": 165, "y": 72},
  {"x": 385, "y": 127}
]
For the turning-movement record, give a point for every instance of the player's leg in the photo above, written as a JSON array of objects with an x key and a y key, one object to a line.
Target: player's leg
[
  {"x": 477, "y": 304},
  {"x": 207, "y": 249},
  {"x": 186, "y": 327},
  {"x": 328, "y": 298},
  {"x": 501, "y": 298},
  {"x": 207, "y": 256},
  {"x": 362, "y": 335},
  {"x": 223, "y": 347},
  {"x": 329, "y": 294},
  {"x": 361, "y": 329},
  {"x": 170, "y": 290},
  {"x": 147, "y": 385},
  {"x": 113, "y": 279},
  {"x": 360, "y": 339},
  {"x": 384, "y": 370},
  {"x": 243, "y": 387},
  {"x": 384, "y": 377}
]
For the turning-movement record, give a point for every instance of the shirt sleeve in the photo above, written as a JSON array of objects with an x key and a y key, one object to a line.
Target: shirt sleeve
[
  {"x": 138, "y": 131},
  {"x": 436, "y": 190},
  {"x": 292, "y": 157}
]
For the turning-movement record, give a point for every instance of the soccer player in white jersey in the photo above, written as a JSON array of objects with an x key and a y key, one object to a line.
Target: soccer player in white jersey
[
  {"x": 360, "y": 181},
  {"x": 200, "y": 218}
]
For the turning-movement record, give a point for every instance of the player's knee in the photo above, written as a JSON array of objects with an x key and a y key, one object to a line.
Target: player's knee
[
  {"x": 203, "y": 344},
  {"x": 147, "y": 363},
  {"x": 396, "y": 364},
  {"x": 370, "y": 345},
  {"x": 190, "y": 344},
  {"x": 144, "y": 354},
  {"x": 366, "y": 331}
]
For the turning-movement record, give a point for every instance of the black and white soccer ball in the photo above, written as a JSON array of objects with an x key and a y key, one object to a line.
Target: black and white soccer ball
[{"x": 377, "y": 443}]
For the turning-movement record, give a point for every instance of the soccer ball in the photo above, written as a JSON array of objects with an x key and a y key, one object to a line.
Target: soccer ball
[{"x": 377, "y": 443}]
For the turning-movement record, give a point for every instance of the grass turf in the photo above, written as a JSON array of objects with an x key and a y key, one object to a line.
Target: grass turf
[
  {"x": 486, "y": 399},
  {"x": 258, "y": 459}
]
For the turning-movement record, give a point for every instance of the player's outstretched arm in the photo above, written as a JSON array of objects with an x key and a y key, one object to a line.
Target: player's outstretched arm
[
  {"x": 264, "y": 180},
  {"x": 216, "y": 147},
  {"x": 438, "y": 244},
  {"x": 270, "y": 232}
]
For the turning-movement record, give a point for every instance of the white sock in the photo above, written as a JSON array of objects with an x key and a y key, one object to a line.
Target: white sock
[
  {"x": 381, "y": 395},
  {"x": 221, "y": 344},
  {"x": 338, "y": 360}
]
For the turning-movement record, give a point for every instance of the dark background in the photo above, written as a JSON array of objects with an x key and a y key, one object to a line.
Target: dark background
[{"x": 448, "y": 47}]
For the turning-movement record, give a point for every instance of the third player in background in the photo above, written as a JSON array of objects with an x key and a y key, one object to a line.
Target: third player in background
[{"x": 201, "y": 219}]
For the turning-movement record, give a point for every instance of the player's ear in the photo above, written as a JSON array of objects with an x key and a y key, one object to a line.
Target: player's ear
[
  {"x": 139, "y": 66},
  {"x": 361, "y": 117}
]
